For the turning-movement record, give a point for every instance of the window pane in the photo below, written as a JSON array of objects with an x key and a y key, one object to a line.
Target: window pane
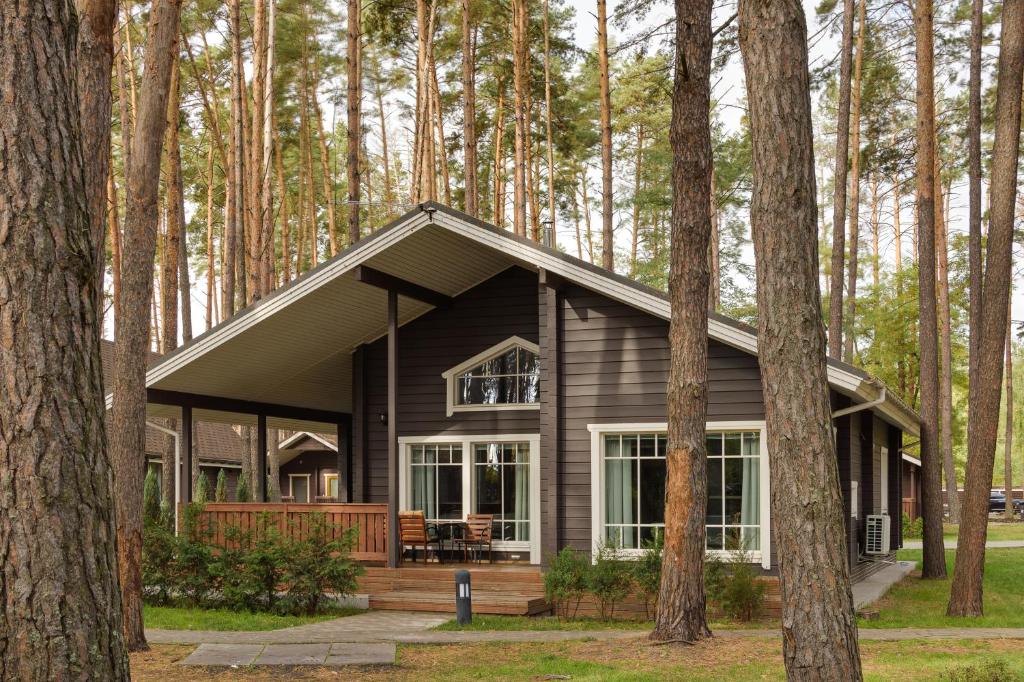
[
  {"x": 751, "y": 444},
  {"x": 714, "y": 491},
  {"x": 529, "y": 388},
  {"x": 652, "y": 491},
  {"x": 662, "y": 446},
  {"x": 449, "y": 492},
  {"x": 648, "y": 535},
  {"x": 714, "y": 536},
  {"x": 629, "y": 446},
  {"x": 424, "y": 490},
  {"x": 732, "y": 444},
  {"x": 332, "y": 486},
  {"x": 456, "y": 454},
  {"x": 517, "y": 492},
  {"x": 647, "y": 445},
  {"x": 620, "y": 490},
  {"x": 527, "y": 362},
  {"x": 733, "y": 490},
  {"x": 732, "y": 538},
  {"x": 611, "y": 446},
  {"x": 714, "y": 444},
  {"x": 488, "y": 489},
  {"x": 751, "y": 539}
]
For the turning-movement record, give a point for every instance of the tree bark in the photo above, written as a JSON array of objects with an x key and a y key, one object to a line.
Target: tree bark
[
  {"x": 835, "y": 325},
  {"x": 140, "y": 227},
  {"x": 714, "y": 251},
  {"x": 175, "y": 220},
  {"x": 520, "y": 84},
  {"x": 1008, "y": 433},
  {"x": 60, "y": 612},
  {"x": 469, "y": 107},
  {"x": 234, "y": 276},
  {"x": 850, "y": 336},
  {"x": 974, "y": 193},
  {"x": 931, "y": 462},
  {"x": 267, "y": 279},
  {"x": 818, "y": 625},
  {"x": 607, "y": 234},
  {"x": 946, "y": 350},
  {"x": 681, "y": 602},
  {"x": 966, "y": 593},
  {"x": 114, "y": 227},
  {"x": 552, "y": 219},
  {"x": 353, "y": 108}
]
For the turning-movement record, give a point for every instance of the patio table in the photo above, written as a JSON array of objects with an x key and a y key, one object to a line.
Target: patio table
[{"x": 448, "y": 531}]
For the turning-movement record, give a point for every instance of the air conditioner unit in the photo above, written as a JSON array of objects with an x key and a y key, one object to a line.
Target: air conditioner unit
[{"x": 877, "y": 534}]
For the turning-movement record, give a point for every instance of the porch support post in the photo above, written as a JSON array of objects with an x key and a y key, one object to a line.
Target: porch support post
[
  {"x": 186, "y": 441},
  {"x": 344, "y": 434},
  {"x": 261, "y": 455},
  {"x": 394, "y": 548},
  {"x": 549, "y": 327},
  {"x": 358, "y": 430}
]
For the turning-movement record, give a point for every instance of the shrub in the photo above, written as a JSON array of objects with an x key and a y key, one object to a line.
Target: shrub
[
  {"x": 715, "y": 578},
  {"x": 743, "y": 594},
  {"x": 609, "y": 581},
  {"x": 988, "y": 671},
  {"x": 647, "y": 574},
  {"x": 150, "y": 498},
  {"x": 159, "y": 547},
  {"x": 242, "y": 493},
  {"x": 565, "y": 581},
  {"x": 192, "y": 578},
  {"x": 318, "y": 562},
  {"x": 221, "y": 492},
  {"x": 202, "y": 495},
  {"x": 913, "y": 529},
  {"x": 265, "y": 562}
]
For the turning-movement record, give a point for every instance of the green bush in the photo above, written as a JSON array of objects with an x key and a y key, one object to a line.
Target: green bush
[
  {"x": 242, "y": 492},
  {"x": 202, "y": 495},
  {"x": 743, "y": 594},
  {"x": 988, "y": 671},
  {"x": 150, "y": 498},
  {"x": 913, "y": 529},
  {"x": 715, "y": 578},
  {"x": 221, "y": 492},
  {"x": 192, "y": 580},
  {"x": 609, "y": 580},
  {"x": 159, "y": 547},
  {"x": 319, "y": 562},
  {"x": 647, "y": 574},
  {"x": 565, "y": 581}
]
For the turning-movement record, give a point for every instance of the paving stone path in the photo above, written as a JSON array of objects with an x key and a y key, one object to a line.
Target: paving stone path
[
  {"x": 950, "y": 543},
  {"x": 322, "y": 655}
]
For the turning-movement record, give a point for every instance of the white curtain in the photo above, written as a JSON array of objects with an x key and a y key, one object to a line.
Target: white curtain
[
  {"x": 522, "y": 502},
  {"x": 618, "y": 494},
  {"x": 424, "y": 490},
  {"x": 751, "y": 505}
]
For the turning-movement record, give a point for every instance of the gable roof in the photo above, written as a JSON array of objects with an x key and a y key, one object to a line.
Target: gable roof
[{"x": 293, "y": 346}]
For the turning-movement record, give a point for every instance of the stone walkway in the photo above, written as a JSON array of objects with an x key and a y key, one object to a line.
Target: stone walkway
[
  {"x": 951, "y": 544},
  {"x": 874, "y": 587},
  {"x": 329, "y": 655}
]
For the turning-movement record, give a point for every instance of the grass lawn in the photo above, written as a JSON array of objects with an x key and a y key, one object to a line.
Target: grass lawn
[
  {"x": 997, "y": 530},
  {"x": 611, "y": 661},
  {"x": 922, "y": 603},
  {"x": 173, "y": 618},
  {"x": 551, "y": 623}
]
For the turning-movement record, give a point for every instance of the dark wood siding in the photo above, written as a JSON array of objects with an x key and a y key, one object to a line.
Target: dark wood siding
[
  {"x": 503, "y": 306},
  {"x": 615, "y": 362}
]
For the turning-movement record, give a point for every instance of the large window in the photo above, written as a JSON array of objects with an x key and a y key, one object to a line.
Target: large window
[
  {"x": 629, "y": 487},
  {"x": 505, "y": 376},
  {"x": 436, "y": 480},
  {"x": 501, "y": 472}
]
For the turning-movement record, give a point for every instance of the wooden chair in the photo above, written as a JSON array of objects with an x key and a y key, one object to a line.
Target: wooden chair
[
  {"x": 412, "y": 529},
  {"x": 478, "y": 533}
]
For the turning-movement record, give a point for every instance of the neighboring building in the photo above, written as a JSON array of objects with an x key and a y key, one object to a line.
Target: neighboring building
[
  {"x": 308, "y": 467},
  {"x": 475, "y": 371},
  {"x": 912, "y": 486}
]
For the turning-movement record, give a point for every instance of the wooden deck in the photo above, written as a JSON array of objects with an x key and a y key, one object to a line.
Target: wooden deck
[{"x": 509, "y": 589}]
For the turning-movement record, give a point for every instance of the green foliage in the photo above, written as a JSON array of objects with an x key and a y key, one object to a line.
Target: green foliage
[
  {"x": 158, "y": 567},
  {"x": 202, "y": 495},
  {"x": 193, "y": 555},
  {"x": 319, "y": 562},
  {"x": 647, "y": 573},
  {"x": 913, "y": 529},
  {"x": 715, "y": 577},
  {"x": 565, "y": 581},
  {"x": 221, "y": 492},
  {"x": 609, "y": 580},
  {"x": 743, "y": 594},
  {"x": 987, "y": 671},
  {"x": 150, "y": 498},
  {"x": 242, "y": 493}
]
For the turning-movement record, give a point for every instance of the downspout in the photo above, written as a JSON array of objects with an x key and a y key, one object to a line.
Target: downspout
[{"x": 177, "y": 466}]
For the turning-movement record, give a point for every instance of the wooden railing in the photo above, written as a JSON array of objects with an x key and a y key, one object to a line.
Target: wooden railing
[{"x": 291, "y": 520}]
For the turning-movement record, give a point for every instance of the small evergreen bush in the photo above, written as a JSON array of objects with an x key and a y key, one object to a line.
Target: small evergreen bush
[
  {"x": 647, "y": 574},
  {"x": 743, "y": 594},
  {"x": 565, "y": 582},
  {"x": 150, "y": 498},
  {"x": 242, "y": 492},
  {"x": 192, "y": 579},
  {"x": 221, "y": 492},
  {"x": 202, "y": 495},
  {"x": 913, "y": 529},
  {"x": 609, "y": 580},
  {"x": 319, "y": 562}
]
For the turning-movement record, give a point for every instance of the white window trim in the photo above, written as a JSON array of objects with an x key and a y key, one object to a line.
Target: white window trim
[
  {"x": 405, "y": 444},
  {"x": 497, "y": 349},
  {"x": 597, "y": 502},
  {"x": 291, "y": 487}
]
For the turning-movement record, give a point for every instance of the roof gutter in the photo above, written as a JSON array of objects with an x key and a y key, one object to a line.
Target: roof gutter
[{"x": 880, "y": 400}]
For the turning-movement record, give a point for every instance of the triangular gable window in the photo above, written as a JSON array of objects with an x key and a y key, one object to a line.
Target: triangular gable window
[{"x": 505, "y": 376}]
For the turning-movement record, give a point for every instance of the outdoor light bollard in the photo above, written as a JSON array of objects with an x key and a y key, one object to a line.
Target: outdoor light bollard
[{"x": 463, "y": 598}]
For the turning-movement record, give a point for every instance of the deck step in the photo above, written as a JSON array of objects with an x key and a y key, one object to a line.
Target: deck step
[{"x": 504, "y": 604}]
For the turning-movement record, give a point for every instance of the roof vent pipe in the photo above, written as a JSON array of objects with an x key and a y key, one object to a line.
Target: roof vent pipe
[{"x": 548, "y": 234}]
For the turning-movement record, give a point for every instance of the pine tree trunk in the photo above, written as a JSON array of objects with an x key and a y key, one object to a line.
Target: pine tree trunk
[
  {"x": 520, "y": 83},
  {"x": 607, "y": 235},
  {"x": 353, "y": 108},
  {"x": 468, "y": 107},
  {"x": 966, "y": 593},
  {"x": 326, "y": 177},
  {"x": 211, "y": 264},
  {"x": 267, "y": 279},
  {"x": 850, "y": 335},
  {"x": 140, "y": 228},
  {"x": 681, "y": 602},
  {"x": 946, "y": 350},
  {"x": 235, "y": 275},
  {"x": 499, "y": 158},
  {"x": 875, "y": 261},
  {"x": 835, "y": 325},
  {"x": 714, "y": 252},
  {"x": 818, "y": 625},
  {"x": 114, "y": 227},
  {"x": 60, "y": 612},
  {"x": 931, "y": 462},
  {"x": 389, "y": 197},
  {"x": 974, "y": 193},
  {"x": 175, "y": 218},
  {"x": 635, "y": 241},
  {"x": 897, "y": 230},
  {"x": 552, "y": 219}
]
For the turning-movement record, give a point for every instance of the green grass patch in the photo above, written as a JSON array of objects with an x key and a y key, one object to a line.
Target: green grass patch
[
  {"x": 916, "y": 603},
  {"x": 174, "y": 618},
  {"x": 997, "y": 530},
  {"x": 549, "y": 623}
]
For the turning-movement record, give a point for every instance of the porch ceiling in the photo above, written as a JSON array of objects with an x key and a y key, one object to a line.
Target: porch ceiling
[{"x": 294, "y": 347}]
